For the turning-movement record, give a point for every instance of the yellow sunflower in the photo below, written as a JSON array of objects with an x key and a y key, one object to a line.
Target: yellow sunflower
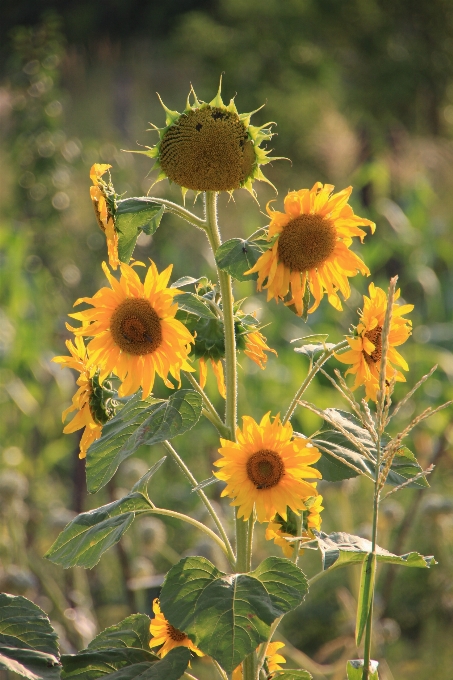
[
  {"x": 366, "y": 346},
  {"x": 266, "y": 469},
  {"x": 166, "y": 635},
  {"x": 311, "y": 248},
  {"x": 134, "y": 330},
  {"x": 89, "y": 416},
  {"x": 315, "y": 508},
  {"x": 272, "y": 662},
  {"x": 255, "y": 348},
  {"x": 278, "y": 530},
  {"x": 103, "y": 198},
  {"x": 274, "y": 532},
  {"x": 210, "y": 147},
  {"x": 217, "y": 368}
]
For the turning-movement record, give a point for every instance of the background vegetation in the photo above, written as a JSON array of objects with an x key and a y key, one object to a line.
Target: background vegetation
[{"x": 362, "y": 92}]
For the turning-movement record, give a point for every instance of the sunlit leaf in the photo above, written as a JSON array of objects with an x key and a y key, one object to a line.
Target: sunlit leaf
[
  {"x": 354, "y": 670},
  {"x": 236, "y": 256},
  {"x": 194, "y": 304},
  {"x": 134, "y": 215},
  {"x": 292, "y": 674}
]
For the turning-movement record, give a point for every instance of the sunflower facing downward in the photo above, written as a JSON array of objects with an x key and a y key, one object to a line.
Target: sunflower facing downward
[
  {"x": 95, "y": 407},
  {"x": 166, "y": 635},
  {"x": 103, "y": 197},
  {"x": 366, "y": 347},
  {"x": 311, "y": 248},
  {"x": 133, "y": 329},
  {"x": 272, "y": 661},
  {"x": 266, "y": 469}
]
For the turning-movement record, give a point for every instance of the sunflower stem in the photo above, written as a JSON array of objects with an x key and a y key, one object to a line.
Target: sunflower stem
[
  {"x": 311, "y": 374},
  {"x": 187, "y": 473},
  {"x": 215, "y": 419},
  {"x": 178, "y": 210}
]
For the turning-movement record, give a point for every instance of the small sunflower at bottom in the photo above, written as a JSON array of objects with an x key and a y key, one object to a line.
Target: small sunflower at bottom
[
  {"x": 365, "y": 350},
  {"x": 271, "y": 663},
  {"x": 279, "y": 530},
  {"x": 310, "y": 253},
  {"x": 93, "y": 400},
  {"x": 134, "y": 331},
  {"x": 267, "y": 469},
  {"x": 163, "y": 633},
  {"x": 104, "y": 197},
  {"x": 210, "y": 147}
]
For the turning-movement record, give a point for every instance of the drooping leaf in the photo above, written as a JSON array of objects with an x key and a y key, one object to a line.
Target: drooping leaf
[
  {"x": 354, "y": 670},
  {"x": 139, "y": 422},
  {"x": 236, "y": 256},
  {"x": 310, "y": 339},
  {"x": 228, "y": 615},
  {"x": 194, "y": 304},
  {"x": 134, "y": 215},
  {"x": 315, "y": 348},
  {"x": 28, "y": 643},
  {"x": 292, "y": 674},
  {"x": 340, "y": 549},
  {"x": 187, "y": 281},
  {"x": 90, "y": 534},
  {"x": 332, "y": 441},
  {"x": 365, "y": 598},
  {"x": 122, "y": 652}
]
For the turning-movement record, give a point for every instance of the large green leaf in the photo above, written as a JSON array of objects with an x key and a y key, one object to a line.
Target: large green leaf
[
  {"x": 355, "y": 670},
  {"x": 194, "y": 304},
  {"x": 139, "y": 422},
  {"x": 340, "y": 549},
  {"x": 90, "y": 534},
  {"x": 122, "y": 652},
  {"x": 132, "y": 216},
  {"x": 28, "y": 643},
  {"x": 365, "y": 598},
  {"x": 292, "y": 674},
  {"x": 229, "y": 615},
  {"x": 331, "y": 441},
  {"x": 237, "y": 256}
]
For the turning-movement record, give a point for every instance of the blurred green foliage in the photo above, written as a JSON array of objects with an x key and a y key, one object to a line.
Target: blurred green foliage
[{"x": 362, "y": 94}]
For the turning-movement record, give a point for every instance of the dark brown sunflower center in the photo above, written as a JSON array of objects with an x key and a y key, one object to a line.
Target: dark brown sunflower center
[
  {"x": 175, "y": 634},
  {"x": 207, "y": 150},
  {"x": 265, "y": 469},
  {"x": 135, "y": 327},
  {"x": 374, "y": 336},
  {"x": 306, "y": 242}
]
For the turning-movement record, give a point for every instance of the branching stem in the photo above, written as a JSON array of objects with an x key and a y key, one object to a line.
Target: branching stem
[{"x": 178, "y": 210}]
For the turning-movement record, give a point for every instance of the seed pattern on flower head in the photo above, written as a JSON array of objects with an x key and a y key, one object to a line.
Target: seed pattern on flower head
[
  {"x": 266, "y": 469},
  {"x": 365, "y": 350},
  {"x": 163, "y": 633},
  {"x": 134, "y": 331},
  {"x": 311, "y": 248}
]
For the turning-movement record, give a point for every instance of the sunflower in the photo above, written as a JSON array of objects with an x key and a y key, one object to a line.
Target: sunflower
[
  {"x": 266, "y": 469},
  {"x": 255, "y": 348},
  {"x": 271, "y": 663},
  {"x": 135, "y": 334},
  {"x": 366, "y": 347},
  {"x": 217, "y": 368},
  {"x": 311, "y": 248},
  {"x": 210, "y": 147},
  {"x": 93, "y": 401},
  {"x": 166, "y": 635},
  {"x": 279, "y": 530},
  {"x": 103, "y": 198}
]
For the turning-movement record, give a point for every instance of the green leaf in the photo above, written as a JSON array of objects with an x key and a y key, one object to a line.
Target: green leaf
[
  {"x": 132, "y": 216},
  {"x": 186, "y": 281},
  {"x": 228, "y": 615},
  {"x": 310, "y": 339},
  {"x": 365, "y": 599},
  {"x": 28, "y": 643},
  {"x": 290, "y": 674},
  {"x": 142, "y": 485},
  {"x": 90, "y": 534},
  {"x": 340, "y": 549},
  {"x": 122, "y": 652},
  {"x": 404, "y": 465},
  {"x": 194, "y": 304},
  {"x": 139, "y": 423},
  {"x": 355, "y": 670},
  {"x": 311, "y": 349},
  {"x": 237, "y": 256}
]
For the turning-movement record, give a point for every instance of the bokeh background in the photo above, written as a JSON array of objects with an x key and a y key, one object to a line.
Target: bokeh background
[{"x": 362, "y": 94}]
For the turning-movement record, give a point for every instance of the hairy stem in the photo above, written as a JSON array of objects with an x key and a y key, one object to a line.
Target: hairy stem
[
  {"x": 215, "y": 418},
  {"x": 187, "y": 473},
  {"x": 178, "y": 210},
  {"x": 311, "y": 374}
]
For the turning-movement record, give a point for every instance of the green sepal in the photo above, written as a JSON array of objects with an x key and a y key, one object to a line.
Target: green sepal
[
  {"x": 139, "y": 423},
  {"x": 228, "y": 615},
  {"x": 354, "y": 670},
  {"x": 28, "y": 643},
  {"x": 134, "y": 215},
  {"x": 237, "y": 256}
]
